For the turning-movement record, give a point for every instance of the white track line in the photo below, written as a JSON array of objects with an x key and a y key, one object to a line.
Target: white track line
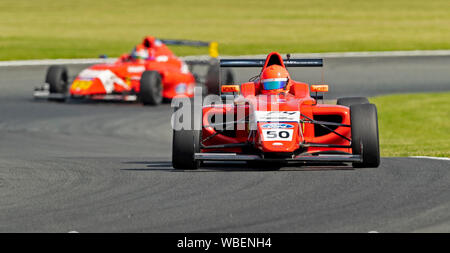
[
  {"x": 432, "y": 157},
  {"x": 197, "y": 57}
]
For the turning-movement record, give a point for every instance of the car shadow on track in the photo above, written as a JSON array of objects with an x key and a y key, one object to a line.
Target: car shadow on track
[{"x": 166, "y": 166}]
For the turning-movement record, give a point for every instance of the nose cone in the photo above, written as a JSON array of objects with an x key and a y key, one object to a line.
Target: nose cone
[
  {"x": 82, "y": 87},
  {"x": 277, "y": 119},
  {"x": 279, "y": 137}
]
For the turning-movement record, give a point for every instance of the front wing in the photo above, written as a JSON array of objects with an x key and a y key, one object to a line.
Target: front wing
[
  {"x": 320, "y": 158},
  {"x": 43, "y": 92}
]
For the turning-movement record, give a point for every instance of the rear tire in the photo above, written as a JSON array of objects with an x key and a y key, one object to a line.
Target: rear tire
[
  {"x": 57, "y": 78},
  {"x": 213, "y": 82},
  {"x": 352, "y": 101},
  {"x": 365, "y": 140},
  {"x": 151, "y": 88},
  {"x": 185, "y": 143}
]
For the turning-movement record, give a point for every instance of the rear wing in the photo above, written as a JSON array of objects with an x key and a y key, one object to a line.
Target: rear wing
[
  {"x": 242, "y": 63},
  {"x": 258, "y": 63},
  {"x": 212, "y": 46}
]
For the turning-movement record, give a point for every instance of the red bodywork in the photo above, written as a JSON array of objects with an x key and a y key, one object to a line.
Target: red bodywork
[
  {"x": 123, "y": 76},
  {"x": 302, "y": 137}
]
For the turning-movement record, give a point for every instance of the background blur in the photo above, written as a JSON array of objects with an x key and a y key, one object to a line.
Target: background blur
[{"x": 36, "y": 29}]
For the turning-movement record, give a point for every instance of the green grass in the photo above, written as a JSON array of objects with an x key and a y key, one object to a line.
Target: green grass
[
  {"x": 33, "y": 29},
  {"x": 414, "y": 124}
]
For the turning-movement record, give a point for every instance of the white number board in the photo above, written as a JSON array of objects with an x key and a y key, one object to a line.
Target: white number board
[{"x": 277, "y": 134}]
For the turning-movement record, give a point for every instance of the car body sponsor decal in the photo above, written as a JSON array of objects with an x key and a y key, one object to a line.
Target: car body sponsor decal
[
  {"x": 277, "y": 126},
  {"x": 180, "y": 88},
  {"x": 136, "y": 69},
  {"x": 277, "y": 116},
  {"x": 107, "y": 77}
]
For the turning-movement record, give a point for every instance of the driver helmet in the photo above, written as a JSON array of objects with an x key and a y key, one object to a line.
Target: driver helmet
[
  {"x": 139, "y": 53},
  {"x": 274, "y": 79}
]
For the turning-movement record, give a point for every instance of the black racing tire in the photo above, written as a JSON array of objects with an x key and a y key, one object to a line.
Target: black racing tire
[
  {"x": 213, "y": 81},
  {"x": 57, "y": 77},
  {"x": 352, "y": 101},
  {"x": 365, "y": 139},
  {"x": 227, "y": 76},
  {"x": 185, "y": 143},
  {"x": 151, "y": 88}
]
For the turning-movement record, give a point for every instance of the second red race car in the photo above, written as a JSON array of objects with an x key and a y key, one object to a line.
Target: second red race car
[
  {"x": 150, "y": 74},
  {"x": 273, "y": 120}
]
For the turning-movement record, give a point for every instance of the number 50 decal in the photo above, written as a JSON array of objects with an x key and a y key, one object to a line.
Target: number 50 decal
[{"x": 277, "y": 134}]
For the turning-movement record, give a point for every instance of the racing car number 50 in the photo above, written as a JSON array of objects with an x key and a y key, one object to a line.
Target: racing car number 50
[{"x": 277, "y": 134}]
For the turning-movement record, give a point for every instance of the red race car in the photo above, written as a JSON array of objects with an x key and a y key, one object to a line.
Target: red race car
[
  {"x": 274, "y": 120},
  {"x": 151, "y": 74}
]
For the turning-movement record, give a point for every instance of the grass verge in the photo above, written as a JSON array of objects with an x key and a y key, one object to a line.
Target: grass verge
[
  {"x": 37, "y": 29},
  {"x": 414, "y": 124}
]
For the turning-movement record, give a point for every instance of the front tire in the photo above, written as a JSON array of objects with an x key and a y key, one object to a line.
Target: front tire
[
  {"x": 57, "y": 78},
  {"x": 365, "y": 139},
  {"x": 185, "y": 143},
  {"x": 151, "y": 88}
]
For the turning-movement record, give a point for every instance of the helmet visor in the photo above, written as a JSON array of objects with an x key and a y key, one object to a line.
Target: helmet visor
[
  {"x": 274, "y": 83},
  {"x": 139, "y": 54}
]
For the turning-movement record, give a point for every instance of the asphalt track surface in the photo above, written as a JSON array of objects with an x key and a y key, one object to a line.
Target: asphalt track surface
[{"x": 105, "y": 167}]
